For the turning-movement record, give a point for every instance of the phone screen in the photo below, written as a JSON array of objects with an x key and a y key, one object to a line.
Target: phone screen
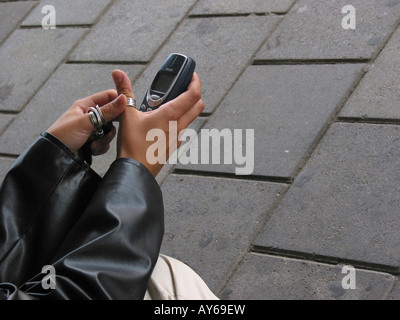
[{"x": 163, "y": 82}]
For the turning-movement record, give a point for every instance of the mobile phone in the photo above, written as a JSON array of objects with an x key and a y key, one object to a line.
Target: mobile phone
[{"x": 171, "y": 80}]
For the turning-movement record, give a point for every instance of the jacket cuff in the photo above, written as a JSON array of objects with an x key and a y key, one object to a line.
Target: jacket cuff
[{"x": 66, "y": 150}]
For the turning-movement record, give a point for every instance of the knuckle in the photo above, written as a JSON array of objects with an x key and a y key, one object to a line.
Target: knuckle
[
  {"x": 78, "y": 102},
  {"x": 195, "y": 95},
  {"x": 127, "y": 92}
]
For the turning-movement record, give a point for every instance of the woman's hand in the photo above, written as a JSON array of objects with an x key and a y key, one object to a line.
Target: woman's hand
[
  {"x": 74, "y": 127},
  {"x": 134, "y": 125}
]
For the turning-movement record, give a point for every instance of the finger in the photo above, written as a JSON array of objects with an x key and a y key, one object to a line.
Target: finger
[
  {"x": 99, "y": 98},
  {"x": 174, "y": 109},
  {"x": 113, "y": 109},
  {"x": 190, "y": 115},
  {"x": 123, "y": 83}
]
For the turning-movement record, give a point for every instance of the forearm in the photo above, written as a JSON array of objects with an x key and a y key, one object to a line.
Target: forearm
[
  {"x": 111, "y": 252},
  {"x": 41, "y": 198}
]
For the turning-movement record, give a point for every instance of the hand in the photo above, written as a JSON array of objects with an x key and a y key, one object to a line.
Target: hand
[
  {"x": 74, "y": 127},
  {"x": 134, "y": 125}
]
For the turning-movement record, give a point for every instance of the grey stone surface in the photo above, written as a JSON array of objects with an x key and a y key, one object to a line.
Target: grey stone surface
[
  {"x": 209, "y": 222},
  {"x": 5, "y": 166},
  {"x": 22, "y": 76},
  {"x": 204, "y": 7},
  {"x": 71, "y": 12},
  {"x": 313, "y": 30},
  {"x": 280, "y": 67},
  {"x": 263, "y": 277},
  {"x": 131, "y": 30},
  {"x": 345, "y": 201},
  {"x": 378, "y": 95},
  {"x": 221, "y": 47},
  {"x": 11, "y": 14},
  {"x": 69, "y": 83},
  {"x": 287, "y": 106}
]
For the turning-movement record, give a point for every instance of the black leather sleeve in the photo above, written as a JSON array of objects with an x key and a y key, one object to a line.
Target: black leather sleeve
[{"x": 102, "y": 236}]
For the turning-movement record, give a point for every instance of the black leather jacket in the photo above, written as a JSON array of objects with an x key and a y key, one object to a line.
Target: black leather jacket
[{"x": 101, "y": 235}]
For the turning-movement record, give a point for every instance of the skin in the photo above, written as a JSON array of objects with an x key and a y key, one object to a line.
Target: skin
[{"x": 74, "y": 127}]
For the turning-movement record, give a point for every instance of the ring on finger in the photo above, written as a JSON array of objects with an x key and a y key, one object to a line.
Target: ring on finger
[
  {"x": 98, "y": 121},
  {"x": 131, "y": 102},
  {"x": 101, "y": 114},
  {"x": 93, "y": 118}
]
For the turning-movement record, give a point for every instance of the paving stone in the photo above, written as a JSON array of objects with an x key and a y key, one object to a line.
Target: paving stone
[
  {"x": 71, "y": 12},
  {"x": 378, "y": 94},
  {"x": 263, "y": 277},
  {"x": 208, "y": 226},
  {"x": 221, "y": 47},
  {"x": 313, "y": 30},
  {"x": 29, "y": 57},
  {"x": 11, "y": 14},
  {"x": 204, "y": 7},
  {"x": 69, "y": 83},
  {"x": 286, "y": 106},
  {"x": 344, "y": 203},
  {"x": 5, "y": 166},
  {"x": 131, "y": 30}
]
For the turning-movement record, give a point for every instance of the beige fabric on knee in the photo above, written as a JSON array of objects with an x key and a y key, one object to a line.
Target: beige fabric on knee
[{"x": 173, "y": 280}]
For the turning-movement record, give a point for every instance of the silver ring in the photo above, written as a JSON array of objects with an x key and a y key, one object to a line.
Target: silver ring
[
  {"x": 94, "y": 119},
  {"x": 131, "y": 102},
  {"x": 98, "y": 117},
  {"x": 103, "y": 120}
]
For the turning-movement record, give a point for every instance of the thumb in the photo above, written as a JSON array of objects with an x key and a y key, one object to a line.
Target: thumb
[
  {"x": 123, "y": 83},
  {"x": 113, "y": 109}
]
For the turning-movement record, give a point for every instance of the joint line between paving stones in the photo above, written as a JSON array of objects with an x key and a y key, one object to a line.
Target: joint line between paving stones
[
  {"x": 9, "y": 156},
  {"x": 318, "y": 258},
  {"x": 59, "y": 26},
  {"x": 237, "y": 14},
  {"x": 9, "y": 112},
  {"x": 267, "y": 62},
  {"x": 368, "y": 120},
  {"x": 224, "y": 175},
  {"x": 122, "y": 62}
]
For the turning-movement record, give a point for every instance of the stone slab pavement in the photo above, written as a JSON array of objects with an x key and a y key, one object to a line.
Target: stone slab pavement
[{"x": 322, "y": 100}]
